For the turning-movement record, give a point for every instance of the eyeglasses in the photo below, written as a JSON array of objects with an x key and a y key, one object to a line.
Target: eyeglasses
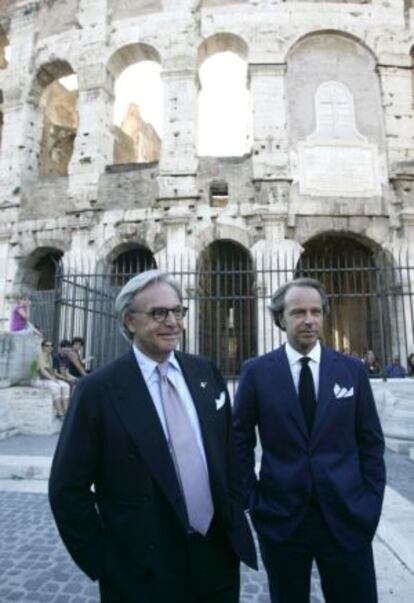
[
  {"x": 160, "y": 314},
  {"x": 48, "y": 345}
]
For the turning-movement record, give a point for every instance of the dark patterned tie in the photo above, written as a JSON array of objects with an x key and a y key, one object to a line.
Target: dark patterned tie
[
  {"x": 189, "y": 463},
  {"x": 307, "y": 392}
]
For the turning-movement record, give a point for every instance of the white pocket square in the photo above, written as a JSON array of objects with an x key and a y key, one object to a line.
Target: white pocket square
[
  {"x": 342, "y": 392},
  {"x": 220, "y": 400}
]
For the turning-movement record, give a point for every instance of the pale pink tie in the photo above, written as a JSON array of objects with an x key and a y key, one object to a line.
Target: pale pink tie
[{"x": 187, "y": 457}]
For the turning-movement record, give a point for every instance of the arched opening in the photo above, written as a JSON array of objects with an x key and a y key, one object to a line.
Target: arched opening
[
  {"x": 39, "y": 279},
  {"x": 57, "y": 91},
  {"x": 354, "y": 276},
  {"x": 130, "y": 262},
  {"x": 224, "y": 106},
  {"x": 138, "y": 105},
  {"x": 227, "y": 306},
  {"x": 335, "y": 120}
]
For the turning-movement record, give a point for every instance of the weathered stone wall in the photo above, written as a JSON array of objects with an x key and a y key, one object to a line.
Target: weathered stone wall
[{"x": 333, "y": 129}]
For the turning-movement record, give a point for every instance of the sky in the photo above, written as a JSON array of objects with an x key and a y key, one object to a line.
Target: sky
[{"x": 224, "y": 126}]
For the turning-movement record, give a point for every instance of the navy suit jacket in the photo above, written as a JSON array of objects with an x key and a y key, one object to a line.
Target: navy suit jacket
[
  {"x": 341, "y": 462},
  {"x": 113, "y": 488}
]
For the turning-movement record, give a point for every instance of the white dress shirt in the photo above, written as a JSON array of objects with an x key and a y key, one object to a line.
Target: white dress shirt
[
  {"x": 151, "y": 376},
  {"x": 295, "y": 364}
]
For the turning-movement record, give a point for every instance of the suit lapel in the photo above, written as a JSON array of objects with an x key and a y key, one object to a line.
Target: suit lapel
[
  {"x": 287, "y": 389},
  {"x": 134, "y": 405},
  {"x": 326, "y": 384}
]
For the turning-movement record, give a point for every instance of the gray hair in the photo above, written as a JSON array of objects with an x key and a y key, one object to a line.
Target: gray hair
[
  {"x": 277, "y": 302},
  {"x": 133, "y": 287}
]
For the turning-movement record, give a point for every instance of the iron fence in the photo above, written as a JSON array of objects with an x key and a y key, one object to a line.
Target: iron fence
[{"x": 371, "y": 305}]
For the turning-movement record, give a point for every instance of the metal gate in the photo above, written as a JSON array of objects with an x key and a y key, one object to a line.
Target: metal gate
[{"x": 372, "y": 307}]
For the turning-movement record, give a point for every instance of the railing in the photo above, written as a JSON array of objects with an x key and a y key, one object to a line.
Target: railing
[{"x": 371, "y": 299}]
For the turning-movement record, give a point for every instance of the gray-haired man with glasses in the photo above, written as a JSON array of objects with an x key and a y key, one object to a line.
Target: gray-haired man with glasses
[{"x": 143, "y": 484}]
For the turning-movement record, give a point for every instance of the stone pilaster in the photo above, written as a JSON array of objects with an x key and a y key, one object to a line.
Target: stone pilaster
[
  {"x": 93, "y": 148},
  {"x": 396, "y": 85},
  {"x": 267, "y": 85},
  {"x": 178, "y": 162},
  {"x": 18, "y": 161}
]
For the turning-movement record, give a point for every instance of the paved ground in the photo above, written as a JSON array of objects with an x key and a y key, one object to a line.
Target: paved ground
[{"x": 35, "y": 568}]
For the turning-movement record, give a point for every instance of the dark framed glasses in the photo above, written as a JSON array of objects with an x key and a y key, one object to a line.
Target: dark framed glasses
[{"x": 160, "y": 314}]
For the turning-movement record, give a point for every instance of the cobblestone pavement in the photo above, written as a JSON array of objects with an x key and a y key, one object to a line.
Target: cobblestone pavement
[{"x": 35, "y": 567}]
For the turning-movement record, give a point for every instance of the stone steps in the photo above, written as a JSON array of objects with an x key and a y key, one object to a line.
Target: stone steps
[{"x": 19, "y": 467}]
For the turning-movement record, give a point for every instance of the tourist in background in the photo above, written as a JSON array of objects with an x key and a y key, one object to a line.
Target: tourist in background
[
  {"x": 410, "y": 365},
  {"x": 77, "y": 367},
  {"x": 44, "y": 376},
  {"x": 394, "y": 369},
  {"x": 19, "y": 320},
  {"x": 372, "y": 365},
  {"x": 61, "y": 362}
]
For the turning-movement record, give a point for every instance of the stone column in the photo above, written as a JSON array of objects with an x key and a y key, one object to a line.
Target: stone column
[
  {"x": 179, "y": 259},
  {"x": 178, "y": 162},
  {"x": 396, "y": 86},
  {"x": 267, "y": 85},
  {"x": 93, "y": 147},
  {"x": 275, "y": 260},
  {"x": 18, "y": 161}
]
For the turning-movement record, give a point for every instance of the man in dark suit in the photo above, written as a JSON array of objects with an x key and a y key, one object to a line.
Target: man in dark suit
[
  {"x": 322, "y": 477},
  {"x": 143, "y": 487}
]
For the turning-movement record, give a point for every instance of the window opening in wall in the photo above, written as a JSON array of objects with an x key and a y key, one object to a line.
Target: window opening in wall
[
  {"x": 58, "y": 104},
  {"x": 219, "y": 193},
  {"x": 129, "y": 263},
  {"x": 42, "y": 292},
  {"x": 357, "y": 280},
  {"x": 224, "y": 115},
  {"x": 227, "y": 306},
  {"x": 138, "y": 113}
]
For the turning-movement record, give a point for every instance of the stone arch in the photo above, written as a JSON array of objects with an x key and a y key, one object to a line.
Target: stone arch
[
  {"x": 37, "y": 271},
  {"x": 336, "y": 57},
  {"x": 222, "y": 42},
  {"x": 229, "y": 232},
  {"x": 54, "y": 119},
  {"x": 223, "y": 85},
  {"x": 329, "y": 32},
  {"x": 136, "y": 139},
  {"x": 37, "y": 276},
  {"x": 128, "y": 260},
  {"x": 355, "y": 272},
  {"x": 226, "y": 305}
]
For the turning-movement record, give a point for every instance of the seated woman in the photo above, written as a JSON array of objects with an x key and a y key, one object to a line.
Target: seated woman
[
  {"x": 61, "y": 362},
  {"x": 44, "y": 376},
  {"x": 19, "y": 320},
  {"x": 76, "y": 366}
]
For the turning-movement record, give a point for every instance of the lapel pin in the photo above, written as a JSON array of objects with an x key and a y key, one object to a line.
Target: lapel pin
[{"x": 203, "y": 384}]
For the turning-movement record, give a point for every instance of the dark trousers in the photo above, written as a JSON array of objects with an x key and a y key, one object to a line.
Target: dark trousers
[
  {"x": 212, "y": 575},
  {"x": 345, "y": 576}
]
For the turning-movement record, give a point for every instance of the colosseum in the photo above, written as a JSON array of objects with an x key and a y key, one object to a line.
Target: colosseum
[{"x": 322, "y": 182}]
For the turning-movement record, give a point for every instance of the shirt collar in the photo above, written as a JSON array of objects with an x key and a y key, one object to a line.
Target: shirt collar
[
  {"x": 294, "y": 356},
  {"x": 148, "y": 365}
]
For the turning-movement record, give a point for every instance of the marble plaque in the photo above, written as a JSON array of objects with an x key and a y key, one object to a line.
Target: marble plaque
[
  {"x": 336, "y": 159},
  {"x": 338, "y": 169}
]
